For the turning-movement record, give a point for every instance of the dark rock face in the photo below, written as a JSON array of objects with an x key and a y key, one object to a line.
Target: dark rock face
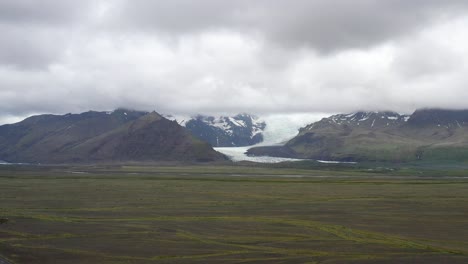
[
  {"x": 431, "y": 117},
  {"x": 384, "y": 136},
  {"x": 225, "y": 131},
  {"x": 122, "y": 135}
]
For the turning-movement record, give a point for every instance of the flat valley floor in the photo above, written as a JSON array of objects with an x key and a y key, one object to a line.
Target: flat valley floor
[{"x": 143, "y": 214}]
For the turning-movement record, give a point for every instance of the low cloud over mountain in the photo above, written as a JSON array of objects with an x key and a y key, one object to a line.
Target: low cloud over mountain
[{"x": 226, "y": 57}]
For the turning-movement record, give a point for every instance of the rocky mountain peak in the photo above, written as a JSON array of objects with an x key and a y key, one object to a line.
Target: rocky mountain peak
[
  {"x": 373, "y": 119},
  {"x": 224, "y": 131}
]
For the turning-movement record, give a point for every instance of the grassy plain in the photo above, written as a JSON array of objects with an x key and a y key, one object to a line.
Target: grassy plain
[{"x": 232, "y": 214}]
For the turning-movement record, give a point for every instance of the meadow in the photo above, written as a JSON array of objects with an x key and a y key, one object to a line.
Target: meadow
[{"x": 231, "y": 214}]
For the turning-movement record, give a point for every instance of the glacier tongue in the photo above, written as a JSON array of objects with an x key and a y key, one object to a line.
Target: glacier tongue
[
  {"x": 238, "y": 154},
  {"x": 281, "y": 128}
]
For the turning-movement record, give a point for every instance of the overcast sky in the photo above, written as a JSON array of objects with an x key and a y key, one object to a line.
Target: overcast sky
[{"x": 216, "y": 56}]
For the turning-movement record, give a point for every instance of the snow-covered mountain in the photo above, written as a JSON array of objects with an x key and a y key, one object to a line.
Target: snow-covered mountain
[
  {"x": 362, "y": 119},
  {"x": 224, "y": 131}
]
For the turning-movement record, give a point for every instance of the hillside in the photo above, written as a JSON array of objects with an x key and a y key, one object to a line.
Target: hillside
[
  {"x": 117, "y": 136},
  {"x": 427, "y": 134}
]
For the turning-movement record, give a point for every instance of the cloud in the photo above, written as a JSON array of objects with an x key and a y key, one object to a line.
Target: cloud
[
  {"x": 30, "y": 47},
  {"x": 56, "y": 12},
  {"x": 263, "y": 57},
  {"x": 326, "y": 26},
  {"x": 35, "y": 33}
]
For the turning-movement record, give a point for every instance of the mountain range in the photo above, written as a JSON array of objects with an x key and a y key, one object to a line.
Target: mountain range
[
  {"x": 124, "y": 136},
  {"x": 427, "y": 134},
  {"x": 89, "y": 137}
]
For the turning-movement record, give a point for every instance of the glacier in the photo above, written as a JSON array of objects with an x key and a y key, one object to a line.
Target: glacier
[{"x": 279, "y": 129}]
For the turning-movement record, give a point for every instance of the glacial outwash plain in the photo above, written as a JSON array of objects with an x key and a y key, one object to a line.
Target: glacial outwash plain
[{"x": 322, "y": 213}]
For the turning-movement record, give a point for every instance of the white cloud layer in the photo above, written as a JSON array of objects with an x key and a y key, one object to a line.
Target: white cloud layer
[{"x": 207, "y": 56}]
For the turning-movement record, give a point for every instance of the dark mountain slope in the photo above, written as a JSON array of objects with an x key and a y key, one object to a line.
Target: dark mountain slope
[
  {"x": 98, "y": 136},
  {"x": 42, "y": 135},
  {"x": 149, "y": 138},
  {"x": 439, "y": 117}
]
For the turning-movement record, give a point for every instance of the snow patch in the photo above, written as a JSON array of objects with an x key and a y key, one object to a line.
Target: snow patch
[
  {"x": 239, "y": 123},
  {"x": 180, "y": 119}
]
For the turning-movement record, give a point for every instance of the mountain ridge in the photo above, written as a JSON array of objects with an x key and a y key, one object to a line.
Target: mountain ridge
[
  {"x": 121, "y": 135},
  {"x": 380, "y": 136}
]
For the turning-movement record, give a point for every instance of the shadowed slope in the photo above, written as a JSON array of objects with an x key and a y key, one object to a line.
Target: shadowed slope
[{"x": 98, "y": 136}]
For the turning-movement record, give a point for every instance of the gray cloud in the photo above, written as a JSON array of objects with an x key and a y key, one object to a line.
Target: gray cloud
[
  {"x": 35, "y": 33},
  {"x": 323, "y": 25},
  {"x": 43, "y": 12},
  {"x": 212, "y": 56},
  {"x": 30, "y": 47}
]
